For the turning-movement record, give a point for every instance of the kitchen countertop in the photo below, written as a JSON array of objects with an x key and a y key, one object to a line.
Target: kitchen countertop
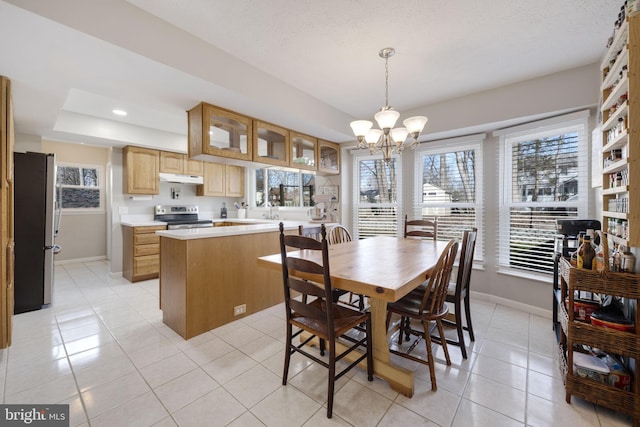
[
  {"x": 143, "y": 223},
  {"x": 251, "y": 227}
]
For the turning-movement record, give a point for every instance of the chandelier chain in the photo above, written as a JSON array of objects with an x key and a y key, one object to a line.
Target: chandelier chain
[{"x": 386, "y": 85}]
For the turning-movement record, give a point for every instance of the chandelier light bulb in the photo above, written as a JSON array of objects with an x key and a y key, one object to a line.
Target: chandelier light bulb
[
  {"x": 399, "y": 135},
  {"x": 387, "y": 118},
  {"x": 361, "y": 127},
  {"x": 373, "y": 136},
  {"x": 415, "y": 124}
]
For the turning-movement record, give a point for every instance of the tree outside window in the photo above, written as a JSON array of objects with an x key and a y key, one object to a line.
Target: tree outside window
[
  {"x": 284, "y": 188},
  {"x": 376, "y": 198}
]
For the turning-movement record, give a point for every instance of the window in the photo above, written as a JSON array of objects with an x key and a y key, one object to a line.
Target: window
[
  {"x": 544, "y": 167},
  {"x": 376, "y": 196},
  {"x": 283, "y": 187},
  {"x": 78, "y": 186},
  {"x": 448, "y": 186}
]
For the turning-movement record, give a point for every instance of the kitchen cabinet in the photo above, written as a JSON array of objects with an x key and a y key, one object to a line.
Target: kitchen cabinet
[
  {"x": 179, "y": 164},
  {"x": 142, "y": 168},
  {"x": 328, "y": 158},
  {"x": 193, "y": 167},
  {"x": 620, "y": 90},
  {"x": 234, "y": 185},
  {"x": 216, "y": 132},
  {"x": 222, "y": 180},
  {"x": 270, "y": 144},
  {"x": 576, "y": 333},
  {"x": 6, "y": 213},
  {"x": 141, "y": 252},
  {"x": 304, "y": 151}
]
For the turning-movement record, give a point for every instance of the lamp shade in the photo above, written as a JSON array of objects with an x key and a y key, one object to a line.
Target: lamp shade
[
  {"x": 415, "y": 124},
  {"x": 386, "y": 118},
  {"x": 399, "y": 135},
  {"x": 373, "y": 136},
  {"x": 361, "y": 127}
]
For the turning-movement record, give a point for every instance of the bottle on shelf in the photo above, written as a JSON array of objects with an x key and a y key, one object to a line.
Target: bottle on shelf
[
  {"x": 598, "y": 261},
  {"x": 586, "y": 253}
]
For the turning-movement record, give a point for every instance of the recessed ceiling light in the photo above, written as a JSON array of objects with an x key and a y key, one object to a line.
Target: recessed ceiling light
[{"x": 119, "y": 112}]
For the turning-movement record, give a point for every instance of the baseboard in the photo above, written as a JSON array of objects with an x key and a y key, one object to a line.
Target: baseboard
[
  {"x": 531, "y": 309},
  {"x": 80, "y": 260}
]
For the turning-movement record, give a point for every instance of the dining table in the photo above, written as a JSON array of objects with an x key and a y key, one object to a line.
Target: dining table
[{"x": 383, "y": 268}]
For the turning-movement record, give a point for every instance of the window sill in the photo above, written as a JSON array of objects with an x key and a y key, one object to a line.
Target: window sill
[{"x": 538, "y": 277}]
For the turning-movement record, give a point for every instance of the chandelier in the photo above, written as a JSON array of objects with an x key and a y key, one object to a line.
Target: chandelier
[{"x": 387, "y": 140}]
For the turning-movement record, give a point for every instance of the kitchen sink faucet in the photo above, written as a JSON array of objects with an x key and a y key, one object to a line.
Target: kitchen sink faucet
[{"x": 270, "y": 215}]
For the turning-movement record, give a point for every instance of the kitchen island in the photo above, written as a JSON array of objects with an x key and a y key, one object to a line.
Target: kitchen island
[{"x": 209, "y": 276}]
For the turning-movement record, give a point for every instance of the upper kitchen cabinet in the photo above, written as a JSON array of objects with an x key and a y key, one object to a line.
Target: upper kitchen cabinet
[
  {"x": 222, "y": 180},
  {"x": 329, "y": 158},
  {"x": 179, "y": 163},
  {"x": 304, "y": 151},
  {"x": 270, "y": 144},
  {"x": 216, "y": 132},
  {"x": 142, "y": 168}
]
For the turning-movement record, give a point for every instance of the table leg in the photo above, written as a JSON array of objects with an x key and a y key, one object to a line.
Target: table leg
[{"x": 399, "y": 378}]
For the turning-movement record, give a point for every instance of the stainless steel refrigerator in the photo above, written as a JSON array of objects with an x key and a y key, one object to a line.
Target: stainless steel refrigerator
[{"x": 34, "y": 205}]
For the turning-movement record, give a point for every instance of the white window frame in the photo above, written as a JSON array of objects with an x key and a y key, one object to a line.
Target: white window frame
[
  {"x": 466, "y": 143},
  {"x": 99, "y": 187},
  {"x": 357, "y": 157},
  {"x": 557, "y": 125}
]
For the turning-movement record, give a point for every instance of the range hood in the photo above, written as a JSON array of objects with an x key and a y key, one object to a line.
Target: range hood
[{"x": 181, "y": 179}]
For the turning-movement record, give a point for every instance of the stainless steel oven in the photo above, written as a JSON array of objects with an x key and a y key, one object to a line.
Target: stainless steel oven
[{"x": 180, "y": 217}]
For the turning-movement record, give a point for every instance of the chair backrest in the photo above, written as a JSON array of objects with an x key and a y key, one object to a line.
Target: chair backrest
[
  {"x": 316, "y": 283},
  {"x": 314, "y": 232},
  {"x": 338, "y": 234},
  {"x": 465, "y": 265},
  {"x": 421, "y": 228},
  {"x": 435, "y": 293}
]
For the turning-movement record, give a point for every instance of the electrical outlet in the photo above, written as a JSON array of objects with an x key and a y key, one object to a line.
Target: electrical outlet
[{"x": 239, "y": 309}]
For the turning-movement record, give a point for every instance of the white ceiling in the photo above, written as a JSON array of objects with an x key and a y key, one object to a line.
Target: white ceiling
[{"x": 312, "y": 66}]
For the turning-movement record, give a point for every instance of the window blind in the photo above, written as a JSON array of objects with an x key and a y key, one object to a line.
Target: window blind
[
  {"x": 448, "y": 187},
  {"x": 376, "y": 196},
  {"x": 544, "y": 177}
]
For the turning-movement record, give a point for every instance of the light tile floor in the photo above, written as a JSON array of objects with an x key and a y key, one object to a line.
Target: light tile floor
[{"x": 103, "y": 349}]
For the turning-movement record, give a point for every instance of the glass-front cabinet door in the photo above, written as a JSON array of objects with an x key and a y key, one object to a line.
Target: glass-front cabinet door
[
  {"x": 329, "y": 158},
  {"x": 214, "y": 131},
  {"x": 303, "y": 151},
  {"x": 270, "y": 144}
]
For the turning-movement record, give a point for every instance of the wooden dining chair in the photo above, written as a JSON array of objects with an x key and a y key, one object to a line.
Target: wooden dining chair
[
  {"x": 319, "y": 315},
  {"x": 426, "y": 308},
  {"x": 458, "y": 291},
  {"x": 420, "y": 228},
  {"x": 315, "y": 232},
  {"x": 340, "y": 234}
]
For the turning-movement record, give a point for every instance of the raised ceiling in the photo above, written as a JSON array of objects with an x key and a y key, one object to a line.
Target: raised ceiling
[{"x": 308, "y": 65}]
